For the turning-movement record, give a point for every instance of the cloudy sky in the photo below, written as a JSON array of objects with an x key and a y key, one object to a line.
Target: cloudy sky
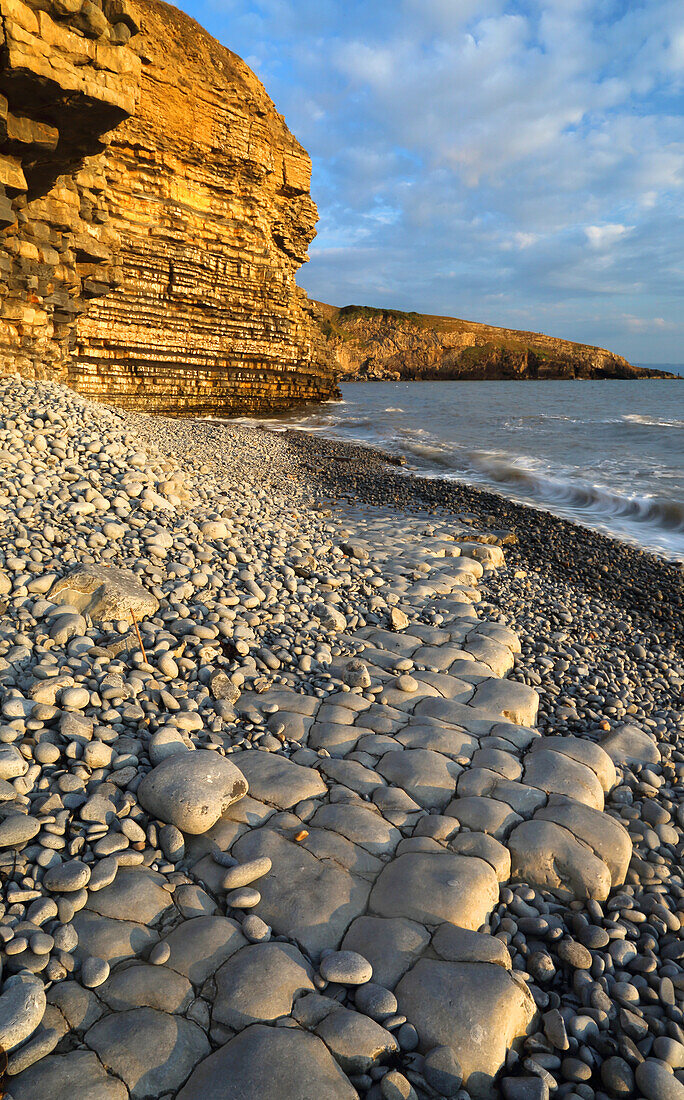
[{"x": 519, "y": 162}]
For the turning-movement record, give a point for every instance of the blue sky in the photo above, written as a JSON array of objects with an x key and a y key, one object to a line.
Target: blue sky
[{"x": 519, "y": 163}]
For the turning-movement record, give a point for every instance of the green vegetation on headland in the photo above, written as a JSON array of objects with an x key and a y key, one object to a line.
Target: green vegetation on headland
[{"x": 369, "y": 344}]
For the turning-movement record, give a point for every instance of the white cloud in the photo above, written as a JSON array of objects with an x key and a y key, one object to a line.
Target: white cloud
[{"x": 605, "y": 236}]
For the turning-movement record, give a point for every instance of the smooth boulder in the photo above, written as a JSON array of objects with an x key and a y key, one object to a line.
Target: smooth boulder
[{"x": 192, "y": 790}]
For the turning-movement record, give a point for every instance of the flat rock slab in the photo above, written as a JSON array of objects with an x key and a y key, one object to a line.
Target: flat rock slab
[
  {"x": 428, "y": 776},
  {"x": 22, "y": 1007},
  {"x": 476, "y": 1009},
  {"x": 484, "y": 815},
  {"x": 584, "y": 752},
  {"x": 391, "y": 945},
  {"x": 361, "y": 826},
  {"x": 200, "y": 945},
  {"x": 304, "y": 898},
  {"x": 151, "y": 1051},
  {"x": 110, "y": 939},
  {"x": 462, "y": 945},
  {"x": 104, "y": 592},
  {"x": 517, "y": 702},
  {"x": 434, "y": 887},
  {"x": 546, "y": 855},
  {"x": 356, "y": 1042},
  {"x": 136, "y": 894},
  {"x": 556, "y": 773},
  {"x": 630, "y": 745},
  {"x": 191, "y": 790},
  {"x": 279, "y": 781},
  {"x": 78, "y": 1075},
  {"x": 259, "y": 983},
  {"x": 267, "y": 1063},
  {"x": 607, "y": 838},
  {"x": 142, "y": 985}
]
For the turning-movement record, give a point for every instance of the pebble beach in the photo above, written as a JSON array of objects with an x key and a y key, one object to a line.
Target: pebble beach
[{"x": 320, "y": 781}]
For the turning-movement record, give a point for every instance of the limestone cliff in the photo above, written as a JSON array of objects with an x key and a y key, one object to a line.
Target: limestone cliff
[
  {"x": 154, "y": 210},
  {"x": 375, "y": 344},
  {"x": 209, "y": 194},
  {"x": 67, "y": 76}
]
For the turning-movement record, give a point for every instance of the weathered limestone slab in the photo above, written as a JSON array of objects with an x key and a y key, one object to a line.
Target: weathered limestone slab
[
  {"x": 477, "y": 1009},
  {"x": 434, "y": 887},
  {"x": 548, "y": 855},
  {"x": 259, "y": 983},
  {"x": 151, "y": 1051},
  {"x": 279, "y": 781},
  {"x": 78, "y": 1075},
  {"x": 307, "y": 899},
  {"x": 265, "y": 1063},
  {"x": 104, "y": 592},
  {"x": 391, "y": 945}
]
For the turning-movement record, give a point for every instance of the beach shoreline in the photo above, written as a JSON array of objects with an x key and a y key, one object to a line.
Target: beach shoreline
[{"x": 406, "y": 687}]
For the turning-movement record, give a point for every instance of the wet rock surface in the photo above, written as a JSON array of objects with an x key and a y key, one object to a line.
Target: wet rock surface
[{"x": 231, "y": 860}]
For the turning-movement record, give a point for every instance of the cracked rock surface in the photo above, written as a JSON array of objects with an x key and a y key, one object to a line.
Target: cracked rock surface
[{"x": 301, "y": 835}]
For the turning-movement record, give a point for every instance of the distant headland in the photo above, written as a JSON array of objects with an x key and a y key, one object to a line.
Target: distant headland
[{"x": 369, "y": 344}]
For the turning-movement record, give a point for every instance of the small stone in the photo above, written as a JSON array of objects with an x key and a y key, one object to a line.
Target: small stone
[
  {"x": 574, "y": 954},
  {"x": 76, "y": 698},
  {"x": 159, "y": 954},
  {"x": 255, "y": 929},
  {"x": 17, "y": 829},
  {"x": 172, "y": 843},
  {"x": 243, "y": 898},
  {"x": 66, "y": 877},
  {"x": 94, "y": 971},
  {"x": 656, "y": 1081},
  {"x": 618, "y": 1076},
  {"x": 407, "y": 684},
  {"x": 397, "y": 619},
  {"x": 375, "y": 1001},
  {"x": 524, "y": 1088},
  {"x": 356, "y": 675},
  {"x": 346, "y": 968},
  {"x": 242, "y": 874},
  {"x": 443, "y": 1071},
  {"x": 394, "y": 1086}
]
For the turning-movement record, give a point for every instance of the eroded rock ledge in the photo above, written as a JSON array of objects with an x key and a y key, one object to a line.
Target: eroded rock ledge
[{"x": 155, "y": 210}]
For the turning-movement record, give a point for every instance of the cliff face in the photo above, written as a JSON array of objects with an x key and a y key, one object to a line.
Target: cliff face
[
  {"x": 67, "y": 76},
  {"x": 374, "y": 344},
  {"x": 154, "y": 210},
  {"x": 209, "y": 194}
]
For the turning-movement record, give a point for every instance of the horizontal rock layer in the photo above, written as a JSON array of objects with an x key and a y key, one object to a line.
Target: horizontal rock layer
[
  {"x": 157, "y": 209},
  {"x": 374, "y": 344}
]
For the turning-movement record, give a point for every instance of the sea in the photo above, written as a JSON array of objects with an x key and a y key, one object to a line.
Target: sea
[{"x": 606, "y": 454}]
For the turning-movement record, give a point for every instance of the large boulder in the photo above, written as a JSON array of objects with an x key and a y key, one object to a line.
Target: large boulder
[
  {"x": 192, "y": 790},
  {"x": 104, "y": 592}
]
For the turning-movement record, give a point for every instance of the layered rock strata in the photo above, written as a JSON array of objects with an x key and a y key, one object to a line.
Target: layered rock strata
[
  {"x": 155, "y": 210},
  {"x": 385, "y": 344},
  {"x": 67, "y": 76},
  {"x": 209, "y": 192}
]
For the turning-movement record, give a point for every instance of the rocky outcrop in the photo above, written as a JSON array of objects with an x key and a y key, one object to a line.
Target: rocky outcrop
[
  {"x": 67, "y": 76},
  {"x": 385, "y": 344},
  {"x": 155, "y": 211},
  {"x": 209, "y": 193}
]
